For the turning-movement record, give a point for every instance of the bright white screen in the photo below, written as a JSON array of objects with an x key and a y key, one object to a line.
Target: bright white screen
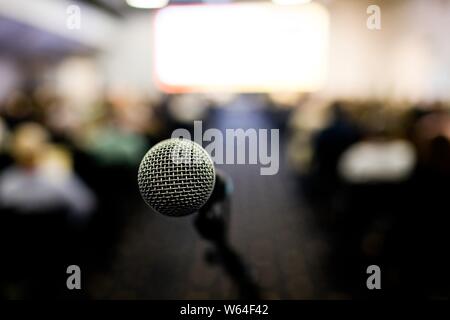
[{"x": 241, "y": 47}]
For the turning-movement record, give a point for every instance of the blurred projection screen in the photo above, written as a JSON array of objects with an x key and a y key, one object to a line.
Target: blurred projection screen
[{"x": 241, "y": 48}]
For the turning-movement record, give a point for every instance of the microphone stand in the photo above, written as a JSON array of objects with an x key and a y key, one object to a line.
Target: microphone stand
[{"x": 212, "y": 224}]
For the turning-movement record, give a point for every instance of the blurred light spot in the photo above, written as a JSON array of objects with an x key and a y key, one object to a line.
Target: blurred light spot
[
  {"x": 241, "y": 48},
  {"x": 148, "y": 4},
  {"x": 290, "y": 2},
  {"x": 377, "y": 162}
]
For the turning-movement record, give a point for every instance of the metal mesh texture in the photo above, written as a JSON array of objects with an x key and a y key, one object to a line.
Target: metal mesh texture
[{"x": 176, "y": 177}]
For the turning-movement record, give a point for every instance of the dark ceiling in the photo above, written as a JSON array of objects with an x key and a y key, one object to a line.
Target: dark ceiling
[{"x": 21, "y": 40}]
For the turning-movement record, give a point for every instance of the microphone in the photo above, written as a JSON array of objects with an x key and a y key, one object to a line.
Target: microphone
[{"x": 176, "y": 177}]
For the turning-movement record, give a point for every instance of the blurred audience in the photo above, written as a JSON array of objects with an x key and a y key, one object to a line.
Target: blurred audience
[
  {"x": 41, "y": 178},
  {"x": 375, "y": 175},
  {"x": 65, "y": 175}
]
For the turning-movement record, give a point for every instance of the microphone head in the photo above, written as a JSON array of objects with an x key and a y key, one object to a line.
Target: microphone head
[{"x": 176, "y": 177}]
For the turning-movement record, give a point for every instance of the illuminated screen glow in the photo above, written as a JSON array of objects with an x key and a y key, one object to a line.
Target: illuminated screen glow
[{"x": 241, "y": 48}]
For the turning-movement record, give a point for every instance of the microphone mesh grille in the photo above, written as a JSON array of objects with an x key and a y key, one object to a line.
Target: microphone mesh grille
[{"x": 170, "y": 184}]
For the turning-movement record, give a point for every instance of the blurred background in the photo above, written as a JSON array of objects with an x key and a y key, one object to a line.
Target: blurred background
[{"x": 87, "y": 87}]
